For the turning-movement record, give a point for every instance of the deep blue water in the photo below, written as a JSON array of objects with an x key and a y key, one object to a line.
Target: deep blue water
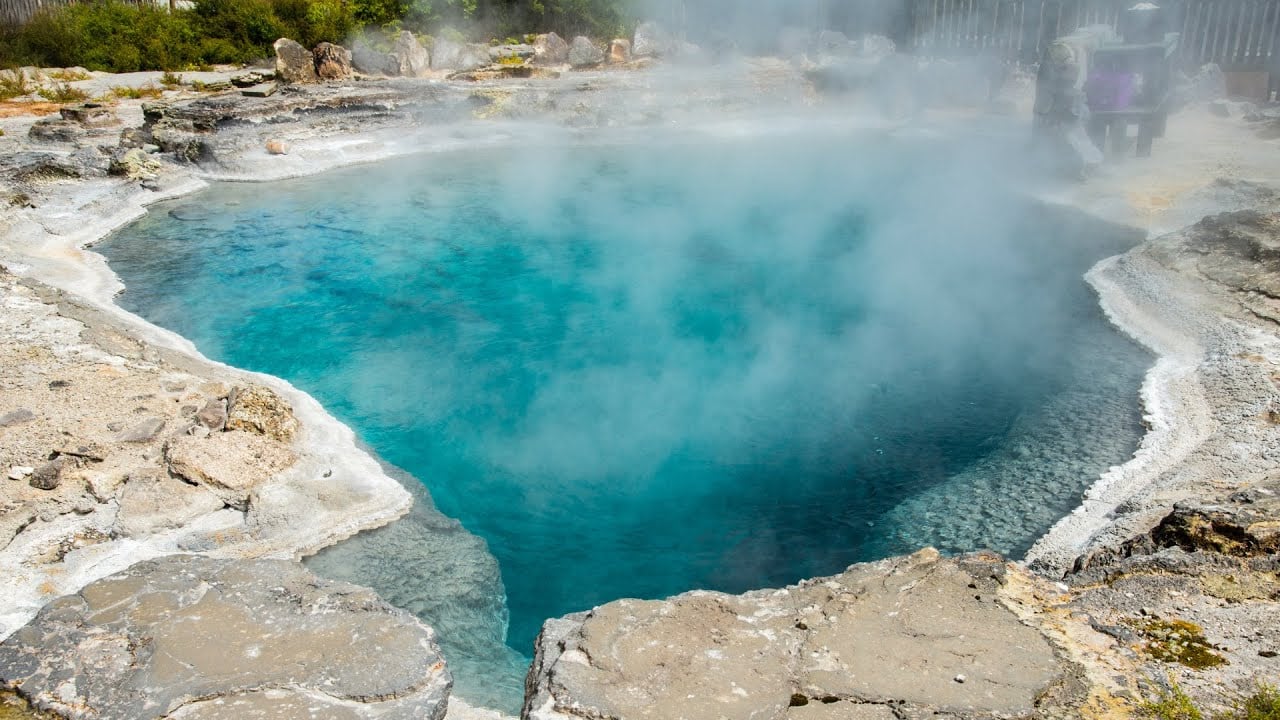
[{"x": 641, "y": 368}]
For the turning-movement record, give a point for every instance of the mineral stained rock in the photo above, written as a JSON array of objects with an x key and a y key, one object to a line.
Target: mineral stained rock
[
  {"x": 258, "y": 409},
  {"x": 333, "y": 62},
  {"x": 921, "y": 634},
  {"x": 192, "y": 637},
  {"x": 294, "y": 63},
  {"x": 550, "y": 49}
]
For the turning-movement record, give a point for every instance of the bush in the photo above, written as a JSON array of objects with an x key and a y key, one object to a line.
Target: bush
[
  {"x": 108, "y": 36},
  {"x": 119, "y": 37}
]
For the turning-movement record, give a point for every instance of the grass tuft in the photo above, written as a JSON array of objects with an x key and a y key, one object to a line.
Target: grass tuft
[
  {"x": 63, "y": 94},
  {"x": 14, "y": 83}
]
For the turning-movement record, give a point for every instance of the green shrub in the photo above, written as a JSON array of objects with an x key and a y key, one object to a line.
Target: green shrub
[
  {"x": 108, "y": 36},
  {"x": 1263, "y": 704},
  {"x": 1172, "y": 704}
]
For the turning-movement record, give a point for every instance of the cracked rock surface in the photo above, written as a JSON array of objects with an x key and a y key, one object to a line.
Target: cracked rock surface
[
  {"x": 917, "y": 635},
  {"x": 194, "y": 637}
]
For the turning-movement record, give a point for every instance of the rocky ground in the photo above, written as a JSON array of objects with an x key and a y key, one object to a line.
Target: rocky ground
[{"x": 122, "y": 445}]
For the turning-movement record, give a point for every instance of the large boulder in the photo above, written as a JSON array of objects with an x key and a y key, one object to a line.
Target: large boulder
[
  {"x": 653, "y": 40},
  {"x": 371, "y": 61},
  {"x": 412, "y": 60},
  {"x": 584, "y": 53},
  {"x": 451, "y": 55},
  {"x": 333, "y": 62},
  {"x": 920, "y": 636},
  {"x": 619, "y": 51},
  {"x": 472, "y": 56},
  {"x": 193, "y": 638},
  {"x": 550, "y": 49},
  {"x": 294, "y": 63}
]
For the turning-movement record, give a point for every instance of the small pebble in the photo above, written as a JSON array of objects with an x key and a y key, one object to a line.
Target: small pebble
[
  {"x": 20, "y": 471},
  {"x": 960, "y": 678},
  {"x": 277, "y": 147}
]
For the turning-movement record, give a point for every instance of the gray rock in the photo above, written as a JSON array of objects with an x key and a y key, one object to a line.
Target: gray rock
[
  {"x": 456, "y": 56},
  {"x": 213, "y": 415},
  {"x": 550, "y": 49},
  {"x": 16, "y": 417},
  {"x": 55, "y": 130},
  {"x": 135, "y": 164},
  {"x": 584, "y": 53},
  {"x": 266, "y": 89},
  {"x": 90, "y": 115},
  {"x": 48, "y": 476},
  {"x": 193, "y": 637},
  {"x": 153, "y": 500},
  {"x": 412, "y": 60},
  {"x": 508, "y": 52},
  {"x": 251, "y": 78},
  {"x": 653, "y": 40},
  {"x": 333, "y": 62},
  {"x": 294, "y": 63},
  {"x": 144, "y": 431},
  {"x": 896, "y": 633},
  {"x": 472, "y": 56},
  {"x": 372, "y": 61},
  {"x": 445, "y": 54}
]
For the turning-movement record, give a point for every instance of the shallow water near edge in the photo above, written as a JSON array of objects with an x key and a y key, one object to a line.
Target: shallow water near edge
[{"x": 635, "y": 370}]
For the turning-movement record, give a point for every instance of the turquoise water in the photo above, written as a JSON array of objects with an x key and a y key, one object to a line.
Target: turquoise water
[{"x": 636, "y": 369}]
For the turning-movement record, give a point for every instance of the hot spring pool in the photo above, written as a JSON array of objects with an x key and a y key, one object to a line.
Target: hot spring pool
[{"x": 640, "y": 368}]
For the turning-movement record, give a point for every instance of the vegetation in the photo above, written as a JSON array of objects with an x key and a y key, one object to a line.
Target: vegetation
[
  {"x": 122, "y": 37},
  {"x": 1172, "y": 704},
  {"x": 1175, "y": 704},
  {"x": 63, "y": 94},
  {"x": 1178, "y": 641},
  {"x": 135, "y": 93},
  {"x": 14, "y": 83}
]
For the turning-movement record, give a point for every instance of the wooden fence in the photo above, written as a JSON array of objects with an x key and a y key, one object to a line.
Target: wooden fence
[{"x": 1235, "y": 34}]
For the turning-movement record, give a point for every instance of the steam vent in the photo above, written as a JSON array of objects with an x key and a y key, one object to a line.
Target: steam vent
[{"x": 660, "y": 360}]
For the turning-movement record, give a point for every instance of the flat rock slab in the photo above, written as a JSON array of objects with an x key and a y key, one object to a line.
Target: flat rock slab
[
  {"x": 193, "y": 637},
  {"x": 920, "y": 633}
]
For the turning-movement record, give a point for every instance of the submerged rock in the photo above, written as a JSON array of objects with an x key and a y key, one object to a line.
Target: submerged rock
[
  {"x": 193, "y": 637},
  {"x": 890, "y": 635}
]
